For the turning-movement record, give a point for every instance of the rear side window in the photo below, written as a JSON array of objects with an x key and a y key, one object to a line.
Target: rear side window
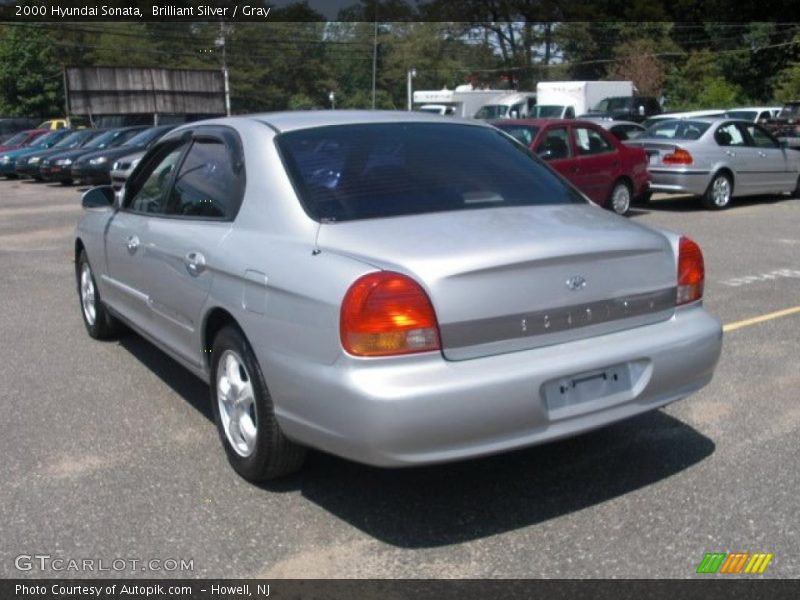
[
  {"x": 589, "y": 141},
  {"x": 349, "y": 172},
  {"x": 554, "y": 144},
  {"x": 206, "y": 184},
  {"x": 678, "y": 129}
]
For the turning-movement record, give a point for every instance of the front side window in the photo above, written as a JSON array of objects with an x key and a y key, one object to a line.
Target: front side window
[
  {"x": 206, "y": 184},
  {"x": 554, "y": 144},
  {"x": 149, "y": 197},
  {"x": 761, "y": 138},
  {"x": 523, "y": 133},
  {"x": 590, "y": 141},
  {"x": 350, "y": 172}
]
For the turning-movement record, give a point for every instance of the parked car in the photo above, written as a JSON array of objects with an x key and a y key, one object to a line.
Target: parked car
[
  {"x": 95, "y": 167},
  {"x": 29, "y": 165},
  {"x": 10, "y": 126},
  {"x": 596, "y": 162},
  {"x": 718, "y": 159},
  {"x": 58, "y": 167},
  {"x": 22, "y": 139},
  {"x": 786, "y": 126},
  {"x": 8, "y": 159},
  {"x": 625, "y": 108},
  {"x": 54, "y": 124},
  {"x": 622, "y": 130},
  {"x": 552, "y": 111},
  {"x": 756, "y": 114},
  {"x": 122, "y": 168},
  {"x": 691, "y": 114},
  {"x": 411, "y": 300}
]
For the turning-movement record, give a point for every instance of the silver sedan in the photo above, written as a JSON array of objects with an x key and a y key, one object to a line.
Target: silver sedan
[
  {"x": 370, "y": 285},
  {"x": 718, "y": 159}
]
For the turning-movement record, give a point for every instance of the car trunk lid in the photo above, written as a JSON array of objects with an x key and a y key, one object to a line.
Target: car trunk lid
[{"x": 515, "y": 278}]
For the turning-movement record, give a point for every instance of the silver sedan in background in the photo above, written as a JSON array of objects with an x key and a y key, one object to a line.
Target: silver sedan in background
[
  {"x": 394, "y": 288},
  {"x": 718, "y": 159}
]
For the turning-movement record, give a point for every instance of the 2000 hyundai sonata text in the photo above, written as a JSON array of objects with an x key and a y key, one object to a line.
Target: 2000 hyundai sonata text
[{"x": 397, "y": 289}]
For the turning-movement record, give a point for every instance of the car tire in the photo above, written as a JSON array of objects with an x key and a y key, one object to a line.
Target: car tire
[
  {"x": 66, "y": 182},
  {"x": 100, "y": 324},
  {"x": 796, "y": 192},
  {"x": 643, "y": 199},
  {"x": 619, "y": 201},
  {"x": 719, "y": 192},
  {"x": 244, "y": 412},
  {"x": 12, "y": 176}
]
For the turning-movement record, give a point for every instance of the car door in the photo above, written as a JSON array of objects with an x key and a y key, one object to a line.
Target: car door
[
  {"x": 553, "y": 146},
  {"x": 597, "y": 162},
  {"x": 183, "y": 246},
  {"x": 773, "y": 164},
  {"x": 740, "y": 157},
  {"x": 126, "y": 235}
]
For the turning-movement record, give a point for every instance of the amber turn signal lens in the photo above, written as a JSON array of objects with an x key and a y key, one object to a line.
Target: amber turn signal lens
[{"x": 691, "y": 271}]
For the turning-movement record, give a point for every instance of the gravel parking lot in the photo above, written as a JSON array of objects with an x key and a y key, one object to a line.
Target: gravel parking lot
[{"x": 109, "y": 450}]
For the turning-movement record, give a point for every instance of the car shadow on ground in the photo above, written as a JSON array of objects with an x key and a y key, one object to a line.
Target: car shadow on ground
[
  {"x": 439, "y": 505},
  {"x": 693, "y": 204}
]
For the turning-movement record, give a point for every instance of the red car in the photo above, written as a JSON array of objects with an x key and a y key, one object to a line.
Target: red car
[
  {"x": 22, "y": 139},
  {"x": 593, "y": 160}
]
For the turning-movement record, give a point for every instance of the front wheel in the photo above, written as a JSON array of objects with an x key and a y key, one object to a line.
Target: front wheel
[
  {"x": 98, "y": 321},
  {"x": 245, "y": 413},
  {"x": 620, "y": 199},
  {"x": 718, "y": 194}
]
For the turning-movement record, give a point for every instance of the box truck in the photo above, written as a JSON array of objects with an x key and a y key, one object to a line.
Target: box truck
[
  {"x": 565, "y": 99},
  {"x": 464, "y": 101}
]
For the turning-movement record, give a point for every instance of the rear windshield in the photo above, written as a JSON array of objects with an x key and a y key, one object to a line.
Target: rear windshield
[
  {"x": 747, "y": 115},
  {"x": 74, "y": 140},
  {"x": 492, "y": 111},
  {"x": 616, "y": 103},
  {"x": 547, "y": 111},
  {"x": 677, "y": 129},
  {"x": 522, "y": 133},
  {"x": 351, "y": 172},
  {"x": 16, "y": 140},
  {"x": 142, "y": 138}
]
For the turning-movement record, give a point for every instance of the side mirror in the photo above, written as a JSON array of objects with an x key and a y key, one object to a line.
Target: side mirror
[{"x": 101, "y": 196}]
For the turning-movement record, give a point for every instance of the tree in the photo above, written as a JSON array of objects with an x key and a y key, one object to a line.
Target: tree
[
  {"x": 636, "y": 62},
  {"x": 30, "y": 73},
  {"x": 788, "y": 88}
]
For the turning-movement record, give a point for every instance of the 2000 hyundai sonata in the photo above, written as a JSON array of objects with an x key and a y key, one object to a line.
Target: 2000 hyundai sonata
[{"x": 397, "y": 289}]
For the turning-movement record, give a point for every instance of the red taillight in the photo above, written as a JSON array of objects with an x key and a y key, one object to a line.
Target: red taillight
[
  {"x": 677, "y": 157},
  {"x": 691, "y": 272},
  {"x": 385, "y": 314}
]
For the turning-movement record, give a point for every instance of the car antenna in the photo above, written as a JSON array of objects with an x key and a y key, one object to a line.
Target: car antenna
[{"x": 316, "y": 250}]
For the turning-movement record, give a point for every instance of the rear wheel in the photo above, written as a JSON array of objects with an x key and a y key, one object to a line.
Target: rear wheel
[
  {"x": 245, "y": 413},
  {"x": 620, "y": 199},
  {"x": 796, "y": 192},
  {"x": 718, "y": 194}
]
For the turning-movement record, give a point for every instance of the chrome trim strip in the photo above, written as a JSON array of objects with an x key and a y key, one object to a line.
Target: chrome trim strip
[{"x": 546, "y": 322}]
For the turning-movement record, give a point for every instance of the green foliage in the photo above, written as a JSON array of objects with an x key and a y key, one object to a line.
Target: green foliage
[
  {"x": 30, "y": 74},
  {"x": 717, "y": 92},
  {"x": 788, "y": 88}
]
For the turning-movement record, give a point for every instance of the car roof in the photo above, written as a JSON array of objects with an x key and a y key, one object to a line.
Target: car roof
[
  {"x": 541, "y": 122},
  {"x": 305, "y": 119}
]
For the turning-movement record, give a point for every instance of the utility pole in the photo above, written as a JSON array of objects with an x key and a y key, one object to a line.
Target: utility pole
[
  {"x": 374, "y": 55},
  {"x": 221, "y": 41},
  {"x": 412, "y": 72}
]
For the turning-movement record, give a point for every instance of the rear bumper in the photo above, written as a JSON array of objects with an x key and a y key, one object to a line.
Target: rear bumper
[
  {"x": 424, "y": 409},
  {"x": 679, "y": 181}
]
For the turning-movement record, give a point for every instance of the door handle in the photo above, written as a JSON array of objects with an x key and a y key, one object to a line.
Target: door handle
[
  {"x": 762, "y": 153},
  {"x": 195, "y": 263},
  {"x": 730, "y": 152},
  {"x": 132, "y": 243}
]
